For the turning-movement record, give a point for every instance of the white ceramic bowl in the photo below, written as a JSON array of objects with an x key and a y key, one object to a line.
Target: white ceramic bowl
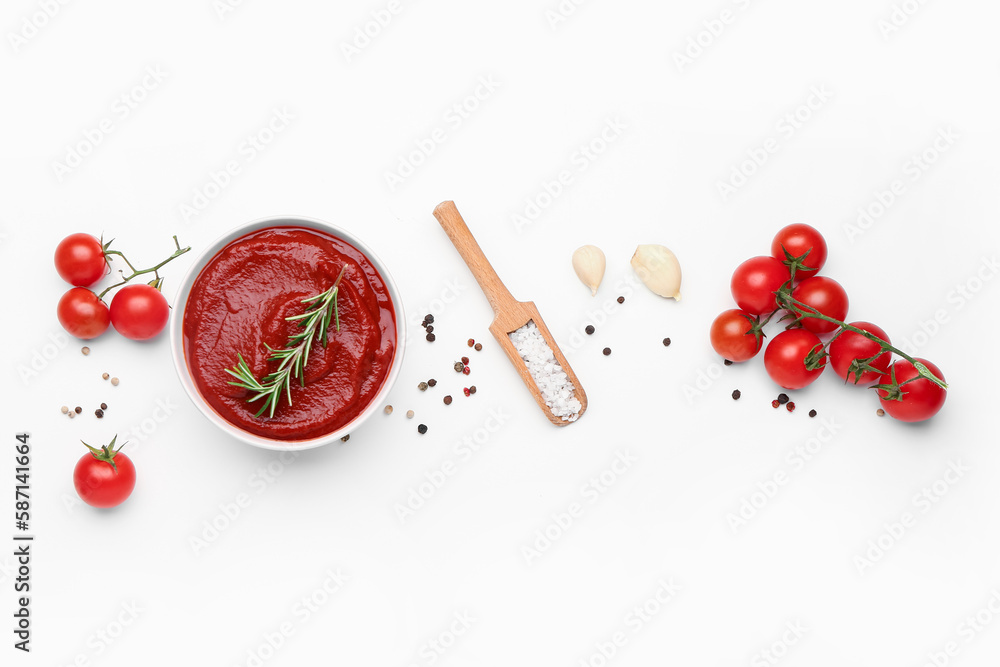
[{"x": 177, "y": 333}]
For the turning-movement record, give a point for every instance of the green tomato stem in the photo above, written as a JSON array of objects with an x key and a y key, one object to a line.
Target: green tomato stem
[
  {"x": 803, "y": 310},
  {"x": 136, "y": 272}
]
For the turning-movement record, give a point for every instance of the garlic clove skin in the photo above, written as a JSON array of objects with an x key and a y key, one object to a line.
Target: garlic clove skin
[
  {"x": 659, "y": 269},
  {"x": 589, "y": 263}
]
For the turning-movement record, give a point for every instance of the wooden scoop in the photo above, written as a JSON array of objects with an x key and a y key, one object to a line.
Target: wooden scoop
[{"x": 509, "y": 315}]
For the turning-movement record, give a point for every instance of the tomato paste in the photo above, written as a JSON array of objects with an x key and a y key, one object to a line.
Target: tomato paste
[{"x": 238, "y": 304}]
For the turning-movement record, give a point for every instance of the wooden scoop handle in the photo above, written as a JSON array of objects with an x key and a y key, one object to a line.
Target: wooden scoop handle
[{"x": 494, "y": 289}]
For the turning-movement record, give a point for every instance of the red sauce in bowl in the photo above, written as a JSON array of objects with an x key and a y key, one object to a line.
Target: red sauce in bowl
[{"x": 239, "y": 302}]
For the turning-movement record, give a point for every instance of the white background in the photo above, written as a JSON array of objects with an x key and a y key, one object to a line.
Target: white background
[{"x": 697, "y": 454}]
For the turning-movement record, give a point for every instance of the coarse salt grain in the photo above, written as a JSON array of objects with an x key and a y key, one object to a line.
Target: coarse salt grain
[{"x": 556, "y": 389}]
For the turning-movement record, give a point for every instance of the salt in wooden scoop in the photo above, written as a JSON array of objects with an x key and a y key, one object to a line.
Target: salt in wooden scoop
[{"x": 509, "y": 315}]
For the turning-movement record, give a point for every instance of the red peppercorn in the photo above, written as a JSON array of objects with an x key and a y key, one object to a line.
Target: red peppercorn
[
  {"x": 466, "y": 390},
  {"x": 465, "y": 360},
  {"x": 466, "y": 370},
  {"x": 775, "y": 403},
  {"x": 790, "y": 406}
]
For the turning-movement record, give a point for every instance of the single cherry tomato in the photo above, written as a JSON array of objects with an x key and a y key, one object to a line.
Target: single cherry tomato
[
  {"x": 733, "y": 336},
  {"x": 104, "y": 477},
  {"x": 826, "y": 296},
  {"x": 80, "y": 260},
  {"x": 139, "y": 312},
  {"x": 907, "y": 399},
  {"x": 801, "y": 245},
  {"x": 754, "y": 283},
  {"x": 83, "y": 314},
  {"x": 849, "y": 350},
  {"x": 787, "y": 354}
]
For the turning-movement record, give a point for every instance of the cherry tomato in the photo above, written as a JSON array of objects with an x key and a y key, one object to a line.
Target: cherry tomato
[
  {"x": 755, "y": 281},
  {"x": 918, "y": 400},
  {"x": 80, "y": 260},
  {"x": 825, "y": 295},
  {"x": 733, "y": 337},
  {"x": 849, "y": 349},
  {"x": 785, "y": 357},
  {"x": 104, "y": 477},
  {"x": 139, "y": 312},
  {"x": 83, "y": 314},
  {"x": 804, "y": 244}
]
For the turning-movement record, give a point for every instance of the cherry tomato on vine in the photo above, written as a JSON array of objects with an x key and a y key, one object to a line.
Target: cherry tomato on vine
[
  {"x": 139, "y": 312},
  {"x": 733, "y": 336},
  {"x": 849, "y": 350},
  {"x": 786, "y": 355},
  {"x": 826, "y": 296},
  {"x": 80, "y": 260},
  {"x": 802, "y": 245},
  {"x": 104, "y": 477},
  {"x": 83, "y": 314},
  {"x": 917, "y": 400},
  {"x": 755, "y": 281}
]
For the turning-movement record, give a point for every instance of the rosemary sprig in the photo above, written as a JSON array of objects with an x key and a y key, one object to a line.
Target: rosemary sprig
[{"x": 320, "y": 310}]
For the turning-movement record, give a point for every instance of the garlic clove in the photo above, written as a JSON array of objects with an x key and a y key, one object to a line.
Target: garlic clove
[
  {"x": 659, "y": 269},
  {"x": 589, "y": 263}
]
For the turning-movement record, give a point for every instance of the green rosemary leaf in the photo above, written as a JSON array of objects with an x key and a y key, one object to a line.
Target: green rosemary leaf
[{"x": 320, "y": 309}]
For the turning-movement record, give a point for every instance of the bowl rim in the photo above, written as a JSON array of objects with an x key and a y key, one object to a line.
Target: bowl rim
[{"x": 177, "y": 331}]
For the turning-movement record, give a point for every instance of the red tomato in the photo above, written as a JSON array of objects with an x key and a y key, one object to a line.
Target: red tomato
[
  {"x": 785, "y": 358},
  {"x": 82, "y": 314},
  {"x": 139, "y": 312},
  {"x": 849, "y": 350},
  {"x": 80, "y": 260},
  {"x": 802, "y": 245},
  {"x": 826, "y": 296},
  {"x": 104, "y": 477},
  {"x": 917, "y": 400},
  {"x": 733, "y": 337},
  {"x": 755, "y": 281}
]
